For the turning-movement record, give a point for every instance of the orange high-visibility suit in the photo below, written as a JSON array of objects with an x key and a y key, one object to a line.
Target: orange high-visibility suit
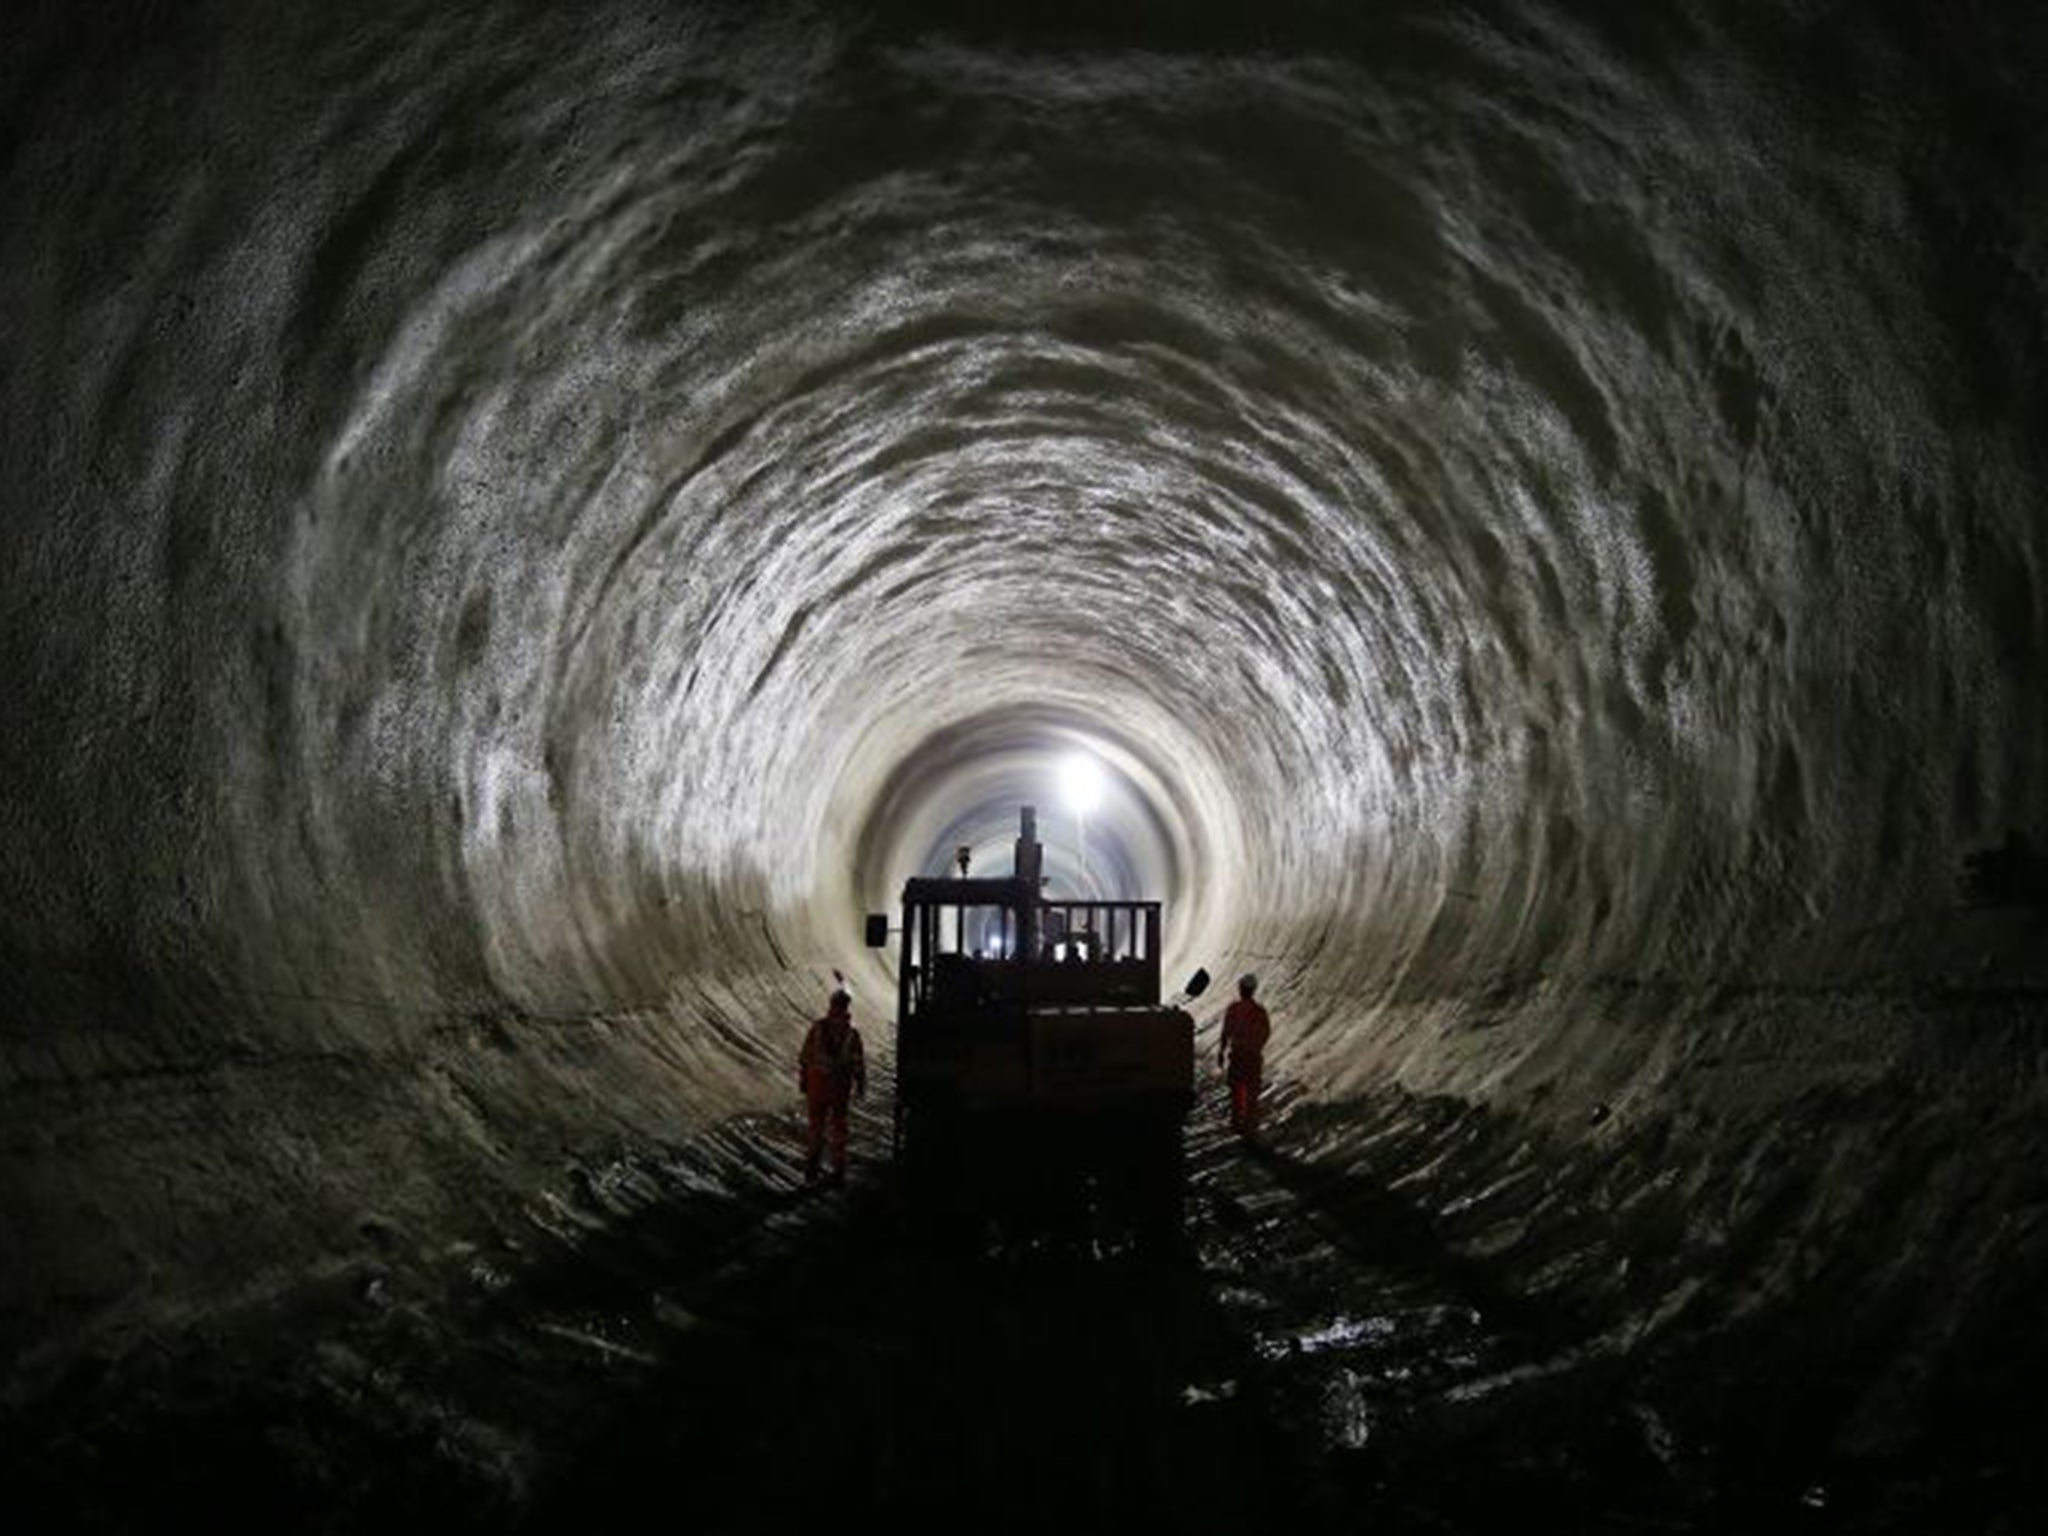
[
  {"x": 832, "y": 1069},
  {"x": 1246, "y": 1029}
]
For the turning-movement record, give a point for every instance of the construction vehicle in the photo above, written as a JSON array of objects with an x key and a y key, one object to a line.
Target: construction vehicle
[{"x": 1035, "y": 1026}]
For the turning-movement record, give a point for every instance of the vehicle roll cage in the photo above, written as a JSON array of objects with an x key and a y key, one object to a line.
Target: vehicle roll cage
[
  {"x": 962, "y": 948},
  {"x": 997, "y": 942}
]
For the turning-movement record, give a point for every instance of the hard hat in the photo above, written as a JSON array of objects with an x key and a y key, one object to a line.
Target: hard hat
[{"x": 1247, "y": 983}]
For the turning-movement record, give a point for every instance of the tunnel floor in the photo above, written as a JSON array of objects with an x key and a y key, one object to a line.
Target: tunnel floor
[{"x": 719, "y": 1346}]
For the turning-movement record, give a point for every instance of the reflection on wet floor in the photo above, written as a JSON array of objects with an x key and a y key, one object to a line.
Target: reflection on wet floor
[
  {"x": 716, "y": 1346},
  {"x": 1058, "y": 1366}
]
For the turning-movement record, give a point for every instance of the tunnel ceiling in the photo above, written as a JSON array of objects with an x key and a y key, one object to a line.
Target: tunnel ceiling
[{"x": 507, "y": 505}]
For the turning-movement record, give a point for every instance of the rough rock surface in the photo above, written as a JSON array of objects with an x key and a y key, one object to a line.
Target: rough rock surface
[{"x": 521, "y": 522}]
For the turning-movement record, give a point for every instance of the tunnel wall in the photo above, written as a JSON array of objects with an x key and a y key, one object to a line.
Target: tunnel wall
[{"x": 505, "y": 514}]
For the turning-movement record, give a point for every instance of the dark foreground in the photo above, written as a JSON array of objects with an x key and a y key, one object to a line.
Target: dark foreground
[{"x": 713, "y": 1347}]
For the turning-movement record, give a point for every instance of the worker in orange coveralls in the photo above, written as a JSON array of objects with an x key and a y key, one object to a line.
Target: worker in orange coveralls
[
  {"x": 832, "y": 1069},
  {"x": 1245, "y": 1032}
]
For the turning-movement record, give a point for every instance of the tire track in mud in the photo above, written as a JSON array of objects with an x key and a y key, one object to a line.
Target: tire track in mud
[
  {"x": 700, "y": 1337},
  {"x": 1304, "y": 1356}
]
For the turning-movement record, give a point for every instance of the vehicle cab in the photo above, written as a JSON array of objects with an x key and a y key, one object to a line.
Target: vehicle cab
[{"x": 1041, "y": 1018}]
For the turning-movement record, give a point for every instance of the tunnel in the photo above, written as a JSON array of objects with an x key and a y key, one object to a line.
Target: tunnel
[{"x": 524, "y": 523}]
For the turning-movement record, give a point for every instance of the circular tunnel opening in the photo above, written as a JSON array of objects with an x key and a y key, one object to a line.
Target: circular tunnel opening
[{"x": 524, "y": 530}]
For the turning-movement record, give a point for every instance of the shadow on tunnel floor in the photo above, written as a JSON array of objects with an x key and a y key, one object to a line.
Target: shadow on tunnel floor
[
  {"x": 1324, "y": 1344},
  {"x": 1054, "y": 1364}
]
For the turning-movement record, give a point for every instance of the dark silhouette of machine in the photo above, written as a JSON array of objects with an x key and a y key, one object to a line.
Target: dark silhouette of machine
[
  {"x": 2010, "y": 875},
  {"x": 1033, "y": 1028}
]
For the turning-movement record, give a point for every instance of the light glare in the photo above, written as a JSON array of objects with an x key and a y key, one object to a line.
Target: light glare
[{"x": 1081, "y": 783}]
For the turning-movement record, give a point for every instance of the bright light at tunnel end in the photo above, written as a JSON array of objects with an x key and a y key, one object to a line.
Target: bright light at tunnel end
[{"x": 1080, "y": 782}]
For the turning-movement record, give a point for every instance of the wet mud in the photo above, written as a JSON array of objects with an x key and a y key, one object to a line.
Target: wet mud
[{"x": 711, "y": 1343}]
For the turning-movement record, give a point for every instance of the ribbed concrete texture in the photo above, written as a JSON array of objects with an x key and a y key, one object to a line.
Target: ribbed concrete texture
[{"x": 521, "y": 522}]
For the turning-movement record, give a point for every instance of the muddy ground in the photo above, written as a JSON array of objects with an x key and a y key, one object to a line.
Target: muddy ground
[{"x": 707, "y": 1343}]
